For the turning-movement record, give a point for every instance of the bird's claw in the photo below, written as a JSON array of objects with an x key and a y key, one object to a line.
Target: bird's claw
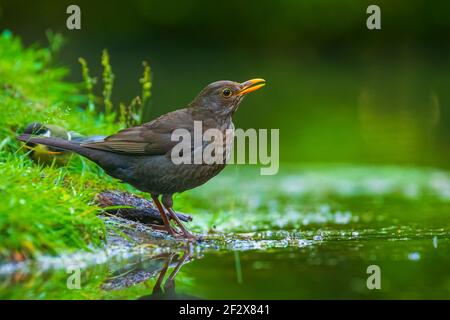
[
  {"x": 186, "y": 235},
  {"x": 174, "y": 232}
]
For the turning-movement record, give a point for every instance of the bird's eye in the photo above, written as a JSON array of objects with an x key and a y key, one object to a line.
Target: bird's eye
[{"x": 226, "y": 92}]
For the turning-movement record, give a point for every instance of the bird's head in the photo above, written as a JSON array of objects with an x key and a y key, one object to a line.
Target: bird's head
[
  {"x": 37, "y": 128},
  {"x": 223, "y": 97}
]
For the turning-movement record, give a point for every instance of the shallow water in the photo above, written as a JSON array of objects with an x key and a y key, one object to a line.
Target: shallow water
[{"x": 306, "y": 233}]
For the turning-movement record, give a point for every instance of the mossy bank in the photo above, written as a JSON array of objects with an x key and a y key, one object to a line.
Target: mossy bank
[{"x": 48, "y": 209}]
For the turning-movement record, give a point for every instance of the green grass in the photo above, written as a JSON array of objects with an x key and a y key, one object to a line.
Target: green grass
[{"x": 47, "y": 209}]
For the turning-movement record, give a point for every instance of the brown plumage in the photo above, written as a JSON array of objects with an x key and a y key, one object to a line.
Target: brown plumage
[{"x": 141, "y": 156}]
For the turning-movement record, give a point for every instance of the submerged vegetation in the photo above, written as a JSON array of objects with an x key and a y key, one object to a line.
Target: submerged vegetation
[{"x": 46, "y": 209}]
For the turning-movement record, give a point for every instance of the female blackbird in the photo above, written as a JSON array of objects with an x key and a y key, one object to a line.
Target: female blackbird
[{"x": 141, "y": 156}]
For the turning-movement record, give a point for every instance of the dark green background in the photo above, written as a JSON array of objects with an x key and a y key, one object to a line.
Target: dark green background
[{"x": 337, "y": 91}]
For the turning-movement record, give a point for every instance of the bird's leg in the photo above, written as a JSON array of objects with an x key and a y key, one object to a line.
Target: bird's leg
[
  {"x": 170, "y": 284},
  {"x": 169, "y": 228},
  {"x": 168, "y": 203},
  {"x": 185, "y": 231},
  {"x": 163, "y": 228},
  {"x": 157, "y": 287}
]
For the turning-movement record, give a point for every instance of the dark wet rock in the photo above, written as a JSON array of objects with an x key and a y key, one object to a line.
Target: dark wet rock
[
  {"x": 127, "y": 233},
  {"x": 141, "y": 210}
]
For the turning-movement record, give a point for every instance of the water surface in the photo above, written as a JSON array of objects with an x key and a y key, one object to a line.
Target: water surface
[{"x": 309, "y": 232}]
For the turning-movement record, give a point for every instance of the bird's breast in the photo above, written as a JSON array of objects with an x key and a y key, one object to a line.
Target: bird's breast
[
  {"x": 229, "y": 139},
  {"x": 218, "y": 146}
]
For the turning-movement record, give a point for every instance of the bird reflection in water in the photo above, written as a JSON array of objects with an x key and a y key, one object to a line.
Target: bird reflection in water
[{"x": 153, "y": 267}]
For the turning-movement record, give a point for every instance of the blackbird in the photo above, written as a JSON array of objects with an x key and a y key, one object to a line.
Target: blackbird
[{"x": 141, "y": 155}]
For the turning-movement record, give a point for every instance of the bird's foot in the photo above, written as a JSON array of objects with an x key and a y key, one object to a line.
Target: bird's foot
[
  {"x": 180, "y": 234},
  {"x": 174, "y": 232},
  {"x": 189, "y": 237},
  {"x": 183, "y": 231},
  {"x": 169, "y": 230},
  {"x": 184, "y": 234}
]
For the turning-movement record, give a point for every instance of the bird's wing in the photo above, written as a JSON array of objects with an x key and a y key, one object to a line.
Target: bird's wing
[{"x": 152, "y": 138}]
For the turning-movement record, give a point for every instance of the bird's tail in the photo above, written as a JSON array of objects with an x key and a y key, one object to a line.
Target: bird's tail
[{"x": 57, "y": 143}]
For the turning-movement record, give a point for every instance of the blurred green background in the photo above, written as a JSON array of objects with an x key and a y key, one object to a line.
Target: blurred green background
[{"x": 337, "y": 91}]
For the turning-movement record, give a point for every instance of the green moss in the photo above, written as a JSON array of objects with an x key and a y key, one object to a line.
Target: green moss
[{"x": 46, "y": 209}]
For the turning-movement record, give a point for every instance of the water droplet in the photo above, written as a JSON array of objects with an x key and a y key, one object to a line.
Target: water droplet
[
  {"x": 318, "y": 237},
  {"x": 414, "y": 256}
]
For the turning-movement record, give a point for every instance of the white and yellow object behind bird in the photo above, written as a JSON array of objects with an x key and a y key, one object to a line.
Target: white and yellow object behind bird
[{"x": 49, "y": 155}]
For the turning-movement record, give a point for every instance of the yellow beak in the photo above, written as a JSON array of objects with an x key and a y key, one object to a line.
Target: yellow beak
[{"x": 251, "y": 85}]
